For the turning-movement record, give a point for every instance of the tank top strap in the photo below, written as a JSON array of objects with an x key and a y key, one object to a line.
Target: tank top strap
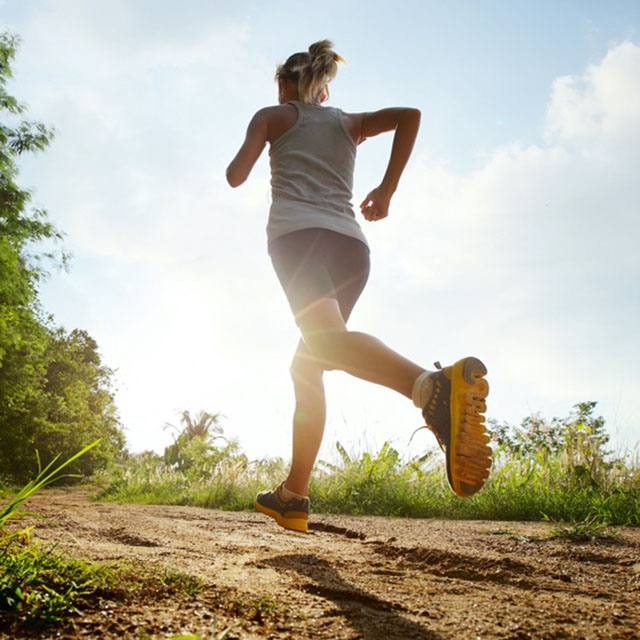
[{"x": 300, "y": 109}]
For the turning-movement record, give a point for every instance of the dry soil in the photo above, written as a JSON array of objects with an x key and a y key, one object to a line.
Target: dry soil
[{"x": 350, "y": 577}]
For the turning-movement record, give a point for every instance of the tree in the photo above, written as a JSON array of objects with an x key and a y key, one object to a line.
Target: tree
[
  {"x": 54, "y": 392},
  {"x": 197, "y": 435}
]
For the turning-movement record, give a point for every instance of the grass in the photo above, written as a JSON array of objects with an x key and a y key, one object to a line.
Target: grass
[
  {"x": 45, "y": 477},
  {"x": 221, "y": 636},
  {"x": 522, "y": 486},
  {"x": 230, "y": 485},
  {"x": 39, "y": 586},
  {"x": 589, "y": 530},
  {"x": 129, "y": 579},
  {"x": 256, "y": 609}
]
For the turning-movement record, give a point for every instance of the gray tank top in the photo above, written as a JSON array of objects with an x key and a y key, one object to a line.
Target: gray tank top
[{"x": 312, "y": 167}]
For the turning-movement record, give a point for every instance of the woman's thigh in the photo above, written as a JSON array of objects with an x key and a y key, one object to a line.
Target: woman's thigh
[
  {"x": 299, "y": 262},
  {"x": 313, "y": 265},
  {"x": 349, "y": 265}
]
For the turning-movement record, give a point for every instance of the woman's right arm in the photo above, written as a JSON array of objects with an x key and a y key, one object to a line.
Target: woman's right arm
[{"x": 405, "y": 122}]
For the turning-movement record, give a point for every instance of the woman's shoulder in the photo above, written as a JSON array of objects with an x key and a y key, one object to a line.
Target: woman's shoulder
[
  {"x": 280, "y": 118},
  {"x": 352, "y": 123}
]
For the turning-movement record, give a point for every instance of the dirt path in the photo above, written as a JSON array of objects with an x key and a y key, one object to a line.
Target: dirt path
[{"x": 351, "y": 577}]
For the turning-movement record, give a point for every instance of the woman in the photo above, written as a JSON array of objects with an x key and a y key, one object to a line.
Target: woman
[{"x": 321, "y": 258}]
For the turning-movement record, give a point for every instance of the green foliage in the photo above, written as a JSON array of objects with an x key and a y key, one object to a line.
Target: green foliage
[
  {"x": 54, "y": 392},
  {"x": 581, "y": 430},
  {"x": 18, "y": 226},
  {"x": 555, "y": 469},
  {"x": 41, "y": 587},
  {"x": 80, "y": 404},
  {"x": 64, "y": 402},
  {"x": 590, "y": 529},
  {"x": 45, "y": 477},
  {"x": 195, "y": 443},
  {"x": 199, "y": 468}
]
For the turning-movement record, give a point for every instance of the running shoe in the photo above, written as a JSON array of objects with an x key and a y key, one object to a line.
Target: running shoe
[
  {"x": 292, "y": 514},
  {"x": 454, "y": 412}
]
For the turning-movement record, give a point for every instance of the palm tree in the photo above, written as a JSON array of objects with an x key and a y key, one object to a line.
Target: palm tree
[{"x": 204, "y": 424}]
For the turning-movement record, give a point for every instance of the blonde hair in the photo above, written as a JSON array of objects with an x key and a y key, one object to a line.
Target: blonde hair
[{"x": 312, "y": 70}]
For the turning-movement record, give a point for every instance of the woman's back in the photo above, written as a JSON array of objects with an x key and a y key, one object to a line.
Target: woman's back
[{"x": 312, "y": 164}]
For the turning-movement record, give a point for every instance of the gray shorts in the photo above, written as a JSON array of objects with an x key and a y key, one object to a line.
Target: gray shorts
[{"x": 319, "y": 263}]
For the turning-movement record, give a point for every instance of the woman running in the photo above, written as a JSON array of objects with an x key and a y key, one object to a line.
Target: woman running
[{"x": 321, "y": 258}]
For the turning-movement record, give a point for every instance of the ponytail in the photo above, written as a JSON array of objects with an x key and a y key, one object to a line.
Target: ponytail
[{"x": 312, "y": 70}]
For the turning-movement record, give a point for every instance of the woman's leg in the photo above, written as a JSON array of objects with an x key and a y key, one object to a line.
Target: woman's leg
[
  {"x": 360, "y": 354},
  {"x": 308, "y": 419},
  {"x": 323, "y": 274},
  {"x": 455, "y": 405},
  {"x": 352, "y": 351},
  {"x": 332, "y": 346}
]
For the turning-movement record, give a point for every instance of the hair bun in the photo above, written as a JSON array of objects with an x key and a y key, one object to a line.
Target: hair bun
[{"x": 322, "y": 48}]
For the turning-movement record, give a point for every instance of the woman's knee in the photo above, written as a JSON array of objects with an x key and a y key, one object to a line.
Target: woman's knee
[
  {"x": 323, "y": 329},
  {"x": 305, "y": 367},
  {"x": 307, "y": 371},
  {"x": 307, "y": 384},
  {"x": 326, "y": 347}
]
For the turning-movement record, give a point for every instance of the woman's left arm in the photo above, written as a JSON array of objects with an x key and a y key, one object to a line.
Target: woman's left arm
[{"x": 256, "y": 139}]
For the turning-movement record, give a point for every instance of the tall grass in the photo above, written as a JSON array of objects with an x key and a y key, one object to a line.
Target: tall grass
[
  {"x": 39, "y": 586},
  {"x": 521, "y": 487},
  {"x": 230, "y": 483},
  {"x": 46, "y": 476},
  {"x": 556, "y": 469}
]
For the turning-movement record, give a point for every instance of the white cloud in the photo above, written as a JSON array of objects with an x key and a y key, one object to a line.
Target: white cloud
[
  {"x": 532, "y": 260},
  {"x": 602, "y": 102}
]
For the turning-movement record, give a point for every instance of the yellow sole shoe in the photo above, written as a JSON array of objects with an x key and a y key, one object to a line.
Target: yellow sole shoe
[
  {"x": 292, "y": 515},
  {"x": 455, "y": 413}
]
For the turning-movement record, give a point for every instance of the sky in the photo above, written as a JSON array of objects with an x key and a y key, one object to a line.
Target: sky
[{"x": 512, "y": 236}]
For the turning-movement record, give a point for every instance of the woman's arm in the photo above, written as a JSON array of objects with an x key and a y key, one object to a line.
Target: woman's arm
[
  {"x": 256, "y": 139},
  {"x": 406, "y": 122},
  {"x": 407, "y": 126}
]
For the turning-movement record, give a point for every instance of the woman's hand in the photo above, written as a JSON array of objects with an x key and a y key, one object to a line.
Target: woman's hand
[{"x": 376, "y": 205}]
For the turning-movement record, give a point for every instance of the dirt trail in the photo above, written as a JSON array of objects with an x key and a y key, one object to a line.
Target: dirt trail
[{"x": 351, "y": 577}]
